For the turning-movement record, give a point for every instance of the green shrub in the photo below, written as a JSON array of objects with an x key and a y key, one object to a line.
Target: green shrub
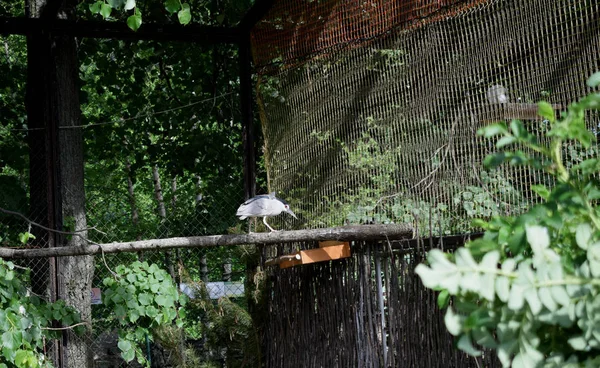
[{"x": 530, "y": 288}]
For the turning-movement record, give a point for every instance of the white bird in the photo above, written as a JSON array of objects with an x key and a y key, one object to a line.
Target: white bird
[
  {"x": 497, "y": 94},
  {"x": 265, "y": 205}
]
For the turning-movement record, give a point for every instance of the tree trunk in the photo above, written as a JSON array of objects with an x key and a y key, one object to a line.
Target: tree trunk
[
  {"x": 135, "y": 217},
  {"x": 52, "y": 103},
  {"x": 162, "y": 213}
]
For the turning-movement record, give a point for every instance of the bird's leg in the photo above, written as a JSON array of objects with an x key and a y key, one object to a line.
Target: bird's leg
[{"x": 265, "y": 221}]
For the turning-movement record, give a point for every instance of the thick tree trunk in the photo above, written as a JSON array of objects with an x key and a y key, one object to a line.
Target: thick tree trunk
[
  {"x": 53, "y": 103},
  {"x": 75, "y": 273}
]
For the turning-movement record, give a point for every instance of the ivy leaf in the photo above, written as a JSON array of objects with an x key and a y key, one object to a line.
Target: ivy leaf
[
  {"x": 26, "y": 358},
  {"x": 127, "y": 351},
  {"x": 135, "y": 21},
  {"x": 9, "y": 340},
  {"x": 95, "y": 7},
  {"x": 105, "y": 10},
  {"x": 145, "y": 299},
  {"x": 172, "y": 6},
  {"x": 184, "y": 15}
]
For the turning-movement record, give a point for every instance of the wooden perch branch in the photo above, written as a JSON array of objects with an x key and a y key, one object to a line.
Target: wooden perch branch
[
  {"x": 287, "y": 257},
  {"x": 362, "y": 232}
]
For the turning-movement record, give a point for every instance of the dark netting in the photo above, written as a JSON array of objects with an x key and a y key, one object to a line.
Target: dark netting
[{"x": 370, "y": 110}]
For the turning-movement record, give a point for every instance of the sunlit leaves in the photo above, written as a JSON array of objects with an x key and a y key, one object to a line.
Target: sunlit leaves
[
  {"x": 24, "y": 320},
  {"x": 134, "y": 21},
  {"x": 142, "y": 297},
  {"x": 542, "y": 267}
]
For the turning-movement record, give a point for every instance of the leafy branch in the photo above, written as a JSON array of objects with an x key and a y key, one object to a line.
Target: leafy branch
[{"x": 530, "y": 288}]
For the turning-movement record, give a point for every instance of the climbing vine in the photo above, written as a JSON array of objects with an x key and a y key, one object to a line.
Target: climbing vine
[{"x": 143, "y": 297}]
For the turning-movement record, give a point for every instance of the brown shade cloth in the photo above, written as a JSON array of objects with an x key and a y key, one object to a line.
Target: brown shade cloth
[{"x": 370, "y": 109}]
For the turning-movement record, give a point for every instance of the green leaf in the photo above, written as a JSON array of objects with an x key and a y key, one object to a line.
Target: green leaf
[
  {"x": 442, "y": 300},
  {"x": 453, "y": 322},
  {"x": 105, "y": 10},
  {"x": 9, "y": 340},
  {"x": 163, "y": 300},
  {"x": 184, "y": 15},
  {"x": 502, "y": 288},
  {"x": 494, "y": 160},
  {"x": 493, "y": 130},
  {"x": 26, "y": 359},
  {"x": 116, "y": 4},
  {"x": 465, "y": 344},
  {"x": 145, "y": 299},
  {"x": 578, "y": 343},
  {"x": 133, "y": 315},
  {"x": 537, "y": 237},
  {"x": 541, "y": 190},
  {"x": 517, "y": 128},
  {"x": 127, "y": 350},
  {"x": 546, "y": 111},
  {"x": 505, "y": 141},
  {"x": 583, "y": 235},
  {"x": 95, "y": 7},
  {"x": 594, "y": 80},
  {"x": 172, "y": 6},
  {"x": 135, "y": 21}
]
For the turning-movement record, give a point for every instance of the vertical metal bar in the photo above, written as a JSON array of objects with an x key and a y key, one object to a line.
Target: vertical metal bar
[
  {"x": 247, "y": 117},
  {"x": 381, "y": 305}
]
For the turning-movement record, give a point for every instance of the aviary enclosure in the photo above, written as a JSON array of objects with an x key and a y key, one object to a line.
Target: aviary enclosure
[{"x": 368, "y": 113}]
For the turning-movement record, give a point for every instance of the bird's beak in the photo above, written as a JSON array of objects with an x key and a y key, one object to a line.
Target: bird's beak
[{"x": 291, "y": 213}]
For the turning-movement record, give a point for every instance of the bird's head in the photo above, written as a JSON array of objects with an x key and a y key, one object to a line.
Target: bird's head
[{"x": 286, "y": 208}]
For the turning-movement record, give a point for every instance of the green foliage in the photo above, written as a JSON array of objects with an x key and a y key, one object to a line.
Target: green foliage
[
  {"x": 25, "y": 321},
  {"x": 134, "y": 21},
  {"x": 142, "y": 297},
  {"x": 529, "y": 289}
]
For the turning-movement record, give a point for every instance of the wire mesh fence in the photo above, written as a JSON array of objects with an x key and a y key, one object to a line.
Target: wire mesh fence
[{"x": 370, "y": 111}]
